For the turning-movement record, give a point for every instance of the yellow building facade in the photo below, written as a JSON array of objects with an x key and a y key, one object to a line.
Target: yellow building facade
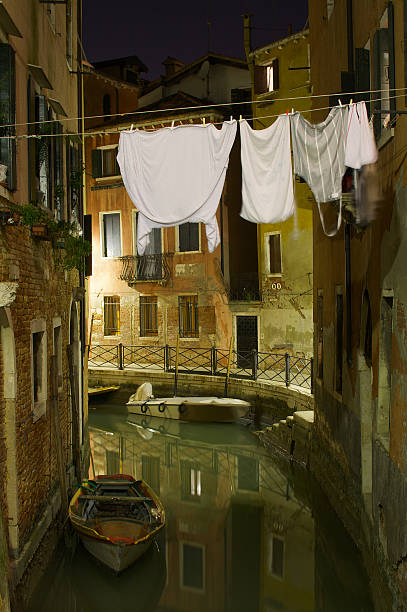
[{"x": 281, "y": 83}]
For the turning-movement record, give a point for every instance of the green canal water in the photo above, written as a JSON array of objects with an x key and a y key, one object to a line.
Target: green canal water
[{"x": 246, "y": 530}]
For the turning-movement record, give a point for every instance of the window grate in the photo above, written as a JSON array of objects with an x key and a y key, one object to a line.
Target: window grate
[
  {"x": 111, "y": 315},
  {"x": 148, "y": 316},
  {"x": 188, "y": 316}
]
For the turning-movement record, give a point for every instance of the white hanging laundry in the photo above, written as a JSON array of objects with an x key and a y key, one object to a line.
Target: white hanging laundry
[
  {"x": 361, "y": 147},
  {"x": 267, "y": 180},
  {"x": 176, "y": 175},
  {"x": 319, "y": 156}
]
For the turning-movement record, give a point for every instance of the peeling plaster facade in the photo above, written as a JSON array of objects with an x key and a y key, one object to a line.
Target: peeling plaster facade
[
  {"x": 286, "y": 308},
  {"x": 360, "y": 441},
  {"x": 208, "y": 276}
]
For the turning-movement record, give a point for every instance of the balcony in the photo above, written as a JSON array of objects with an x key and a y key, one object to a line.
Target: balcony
[
  {"x": 143, "y": 268},
  {"x": 245, "y": 288}
]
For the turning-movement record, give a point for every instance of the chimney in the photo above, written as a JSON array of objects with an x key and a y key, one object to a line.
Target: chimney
[{"x": 172, "y": 65}]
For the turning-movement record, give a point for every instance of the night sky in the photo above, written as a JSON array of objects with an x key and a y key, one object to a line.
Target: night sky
[{"x": 154, "y": 30}]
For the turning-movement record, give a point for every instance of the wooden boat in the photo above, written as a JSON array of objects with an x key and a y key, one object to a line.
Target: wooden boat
[
  {"x": 92, "y": 391},
  {"x": 117, "y": 518},
  {"x": 200, "y": 409}
]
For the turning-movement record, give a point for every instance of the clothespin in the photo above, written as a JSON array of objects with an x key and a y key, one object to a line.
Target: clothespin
[
  {"x": 203, "y": 121},
  {"x": 231, "y": 117},
  {"x": 292, "y": 111},
  {"x": 340, "y": 103},
  {"x": 131, "y": 128},
  {"x": 351, "y": 101},
  {"x": 172, "y": 124},
  {"x": 287, "y": 111},
  {"x": 240, "y": 117}
]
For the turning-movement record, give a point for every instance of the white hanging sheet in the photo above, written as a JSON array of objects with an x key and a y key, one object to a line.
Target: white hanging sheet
[
  {"x": 267, "y": 180},
  {"x": 176, "y": 175},
  {"x": 361, "y": 147}
]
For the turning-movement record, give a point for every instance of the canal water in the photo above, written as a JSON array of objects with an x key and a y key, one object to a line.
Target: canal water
[{"x": 246, "y": 530}]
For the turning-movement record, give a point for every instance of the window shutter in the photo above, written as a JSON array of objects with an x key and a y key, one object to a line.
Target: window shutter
[
  {"x": 392, "y": 69},
  {"x": 142, "y": 317},
  {"x": 97, "y": 163},
  {"x": 87, "y": 234},
  {"x": 8, "y": 112},
  {"x": 183, "y": 237},
  {"x": 181, "y": 315},
  {"x": 405, "y": 49},
  {"x": 260, "y": 79},
  {"x": 362, "y": 75},
  {"x": 377, "y": 121},
  {"x": 112, "y": 235},
  {"x": 276, "y": 74}
]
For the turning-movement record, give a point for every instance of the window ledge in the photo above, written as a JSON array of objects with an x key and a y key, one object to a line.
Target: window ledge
[
  {"x": 187, "y": 252},
  {"x": 274, "y": 274},
  {"x": 182, "y": 339},
  {"x": 111, "y": 337},
  {"x": 385, "y": 137},
  {"x": 39, "y": 410},
  {"x": 149, "y": 338},
  {"x": 267, "y": 95},
  {"x": 114, "y": 177}
]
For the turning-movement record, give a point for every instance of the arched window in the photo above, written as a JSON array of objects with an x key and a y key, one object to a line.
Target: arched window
[{"x": 107, "y": 107}]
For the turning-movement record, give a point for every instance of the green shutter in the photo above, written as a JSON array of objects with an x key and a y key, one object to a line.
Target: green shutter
[
  {"x": 260, "y": 79},
  {"x": 8, "y": 112},
  {"x": 405, "y": 49},
  {"x": 362, "y": 76},
  {"x": 392, "y": 69},
  {"x": 97, "y": 163},
  {"x": 376, "y": 80}
]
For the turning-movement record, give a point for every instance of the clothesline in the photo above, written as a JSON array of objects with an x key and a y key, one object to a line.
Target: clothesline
[
  {"x": 161, "y": 123},
  {"x": 206, "y": 106}
]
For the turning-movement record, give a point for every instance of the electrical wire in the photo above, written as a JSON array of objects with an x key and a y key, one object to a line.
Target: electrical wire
[
  {"x": 118, "y": 130},
  {"x": 206, "y": 106}
]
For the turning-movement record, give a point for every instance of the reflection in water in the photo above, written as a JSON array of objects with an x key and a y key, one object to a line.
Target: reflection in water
[{"x": 240, "y": 533}]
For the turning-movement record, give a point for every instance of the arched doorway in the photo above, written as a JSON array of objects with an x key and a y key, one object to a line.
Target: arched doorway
[{"x": 9, "y": 394}]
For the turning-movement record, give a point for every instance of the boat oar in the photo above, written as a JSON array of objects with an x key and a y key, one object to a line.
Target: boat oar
[{"x": 115, "y": 498}]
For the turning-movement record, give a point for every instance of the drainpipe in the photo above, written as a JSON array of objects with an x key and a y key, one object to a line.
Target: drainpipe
[{"x": 348, "y": 275}]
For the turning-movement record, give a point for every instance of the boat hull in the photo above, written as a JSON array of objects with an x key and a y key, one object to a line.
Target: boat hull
[
  {"x": 117, "y": 557},
  {"x": 218, "y": 410}
]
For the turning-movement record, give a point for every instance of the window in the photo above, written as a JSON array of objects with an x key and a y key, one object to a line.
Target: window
[
  {"x": 58, "y": 349},
  {"x": 148, "y": 316},
  {"x": 320, "y": 335},
  {"x": 339, "y": 341},
  {"x": 266, "y": 78},
  {"x": 112, "y": 462},
  {"x": 111, "y": 235},
  {"x": 188, "y": 237},
  {"x": 38, "y": 367},
  {"x": 190, "y": 481},
  {"x": 385, "y": 366},
  {"x": 276, "y": 556},
  {"x": 104, "y": 162},
  {"x": 107, "y": 107},
  {"x": 192, "y": 566},
  {"x": 247, "y": 473},
  {"x": 111, "y": 315},
  {"x": 150, "y": 467},
  {"x": 384, "y": 70},
  {"x": 8, "y": 112},
  {"x": 188, "y": 316},
  {"x": 273, "y": 253},
  {"x": 59, "y": 191}
]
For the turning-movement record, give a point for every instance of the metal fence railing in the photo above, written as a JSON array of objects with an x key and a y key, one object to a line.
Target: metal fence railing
[{"x": 273, "y": 367}]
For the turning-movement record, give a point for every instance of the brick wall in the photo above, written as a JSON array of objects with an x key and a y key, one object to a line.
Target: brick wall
[{"x": 44, "y": 292}]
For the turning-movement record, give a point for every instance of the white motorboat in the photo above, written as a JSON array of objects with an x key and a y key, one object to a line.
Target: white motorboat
[{"x": 201, "y": 409}]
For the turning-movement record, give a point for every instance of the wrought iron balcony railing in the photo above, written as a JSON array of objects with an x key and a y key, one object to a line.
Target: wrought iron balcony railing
[{"x": 141, "y": 268}]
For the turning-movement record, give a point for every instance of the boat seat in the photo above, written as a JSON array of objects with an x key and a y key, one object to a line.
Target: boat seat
[{"x": 121, "y": 528}]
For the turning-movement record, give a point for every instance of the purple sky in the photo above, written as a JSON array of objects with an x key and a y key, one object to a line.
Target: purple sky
[{"x": 153, "y": 29}]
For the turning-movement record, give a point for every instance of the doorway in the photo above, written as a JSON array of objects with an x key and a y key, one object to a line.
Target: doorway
[{"x": 246, "y": 339}]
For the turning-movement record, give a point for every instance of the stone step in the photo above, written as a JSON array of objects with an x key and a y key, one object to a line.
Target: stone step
[{"x": 304, "y": 419}]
